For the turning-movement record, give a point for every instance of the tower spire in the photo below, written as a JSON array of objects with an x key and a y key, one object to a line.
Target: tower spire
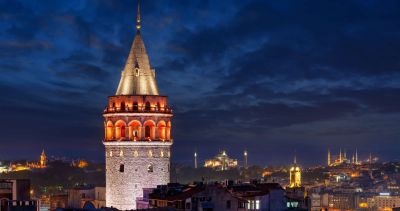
[
  {"x": 138, "y": 26},
  {"x": 138, "y": 77}
]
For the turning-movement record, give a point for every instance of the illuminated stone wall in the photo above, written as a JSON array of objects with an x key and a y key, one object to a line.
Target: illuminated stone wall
[{"x": 122, "y": 188}]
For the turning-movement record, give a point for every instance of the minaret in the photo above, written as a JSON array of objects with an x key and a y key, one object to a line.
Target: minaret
[
  {"x": 329, "y": 157},
  {"x": 344, "y": 155},
  {"x": 340, "y": 156},
  {"x": 195, "y": 160},
  {"x": 137, "y": 131},
  {"x": 245, "y": 159},
  {"x": 356, "y": 160},
  {"x": 353, "y": 159},
  {"x": 370, "y": 158}
]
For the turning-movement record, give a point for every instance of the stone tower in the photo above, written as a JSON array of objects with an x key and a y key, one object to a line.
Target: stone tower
[
  {"x": 42, "y": 162},
  {"x": 137, "y": 137},
  {"x": 295, "y": 175}
]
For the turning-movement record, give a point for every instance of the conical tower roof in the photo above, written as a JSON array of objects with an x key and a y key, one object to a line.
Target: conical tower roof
[{"x": 137, "y": 77}]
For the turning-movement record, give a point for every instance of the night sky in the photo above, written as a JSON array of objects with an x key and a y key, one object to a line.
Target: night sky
[{"x": 275, "y": 77}]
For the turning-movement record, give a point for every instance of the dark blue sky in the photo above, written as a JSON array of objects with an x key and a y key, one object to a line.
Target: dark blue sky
[{"x": 271, "y": 76}]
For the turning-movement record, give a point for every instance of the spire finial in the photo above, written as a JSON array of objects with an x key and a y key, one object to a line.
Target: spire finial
[{"x": 138, "y": 16}]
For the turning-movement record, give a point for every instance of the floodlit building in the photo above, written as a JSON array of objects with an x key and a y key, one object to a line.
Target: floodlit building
[
  {"x": 42, "y": 162},
  {"x": 383, "y": 202},
  {"x": 221, "y": 162},
  {"x": 137, "y": 131},
  {"x": 295, "y": 175}
]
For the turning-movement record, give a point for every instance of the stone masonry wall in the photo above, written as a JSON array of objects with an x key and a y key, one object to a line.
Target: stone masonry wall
[{"x": 122, "y": 188}]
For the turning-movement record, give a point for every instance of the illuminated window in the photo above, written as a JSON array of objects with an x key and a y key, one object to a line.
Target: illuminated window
[
  {"x": 121, "y": 168},
  {"x": 122, "y": 106},
  {"x": 150, "y": 168},
  {"x": 257, "y": 204},
  {"x": 148, "y": 107},
  {"x": 135, "y": 106},
  {"x": 135, "y": 153}
]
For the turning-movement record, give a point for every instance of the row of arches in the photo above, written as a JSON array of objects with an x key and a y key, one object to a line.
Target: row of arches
[{"x": 134, "y": 130}]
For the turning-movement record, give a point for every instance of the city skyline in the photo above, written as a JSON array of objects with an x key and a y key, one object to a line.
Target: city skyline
[{"x": 290, "y": 83}]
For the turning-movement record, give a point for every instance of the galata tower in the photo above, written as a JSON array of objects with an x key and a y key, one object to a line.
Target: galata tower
[{"x": 137, "y": 131}]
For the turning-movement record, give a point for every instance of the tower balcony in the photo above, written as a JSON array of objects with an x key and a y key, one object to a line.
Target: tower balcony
[
  {"x": 138, "y": 109},
  {"x": 148, "y": 140}
]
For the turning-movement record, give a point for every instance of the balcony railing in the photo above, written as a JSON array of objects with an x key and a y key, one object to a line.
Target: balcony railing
[
  {"x": 138, "y": 109},
  {"x": 138, "y": 140}
]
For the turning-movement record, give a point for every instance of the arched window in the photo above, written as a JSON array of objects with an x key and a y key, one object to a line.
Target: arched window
[
  {"x": 120, "y": 130},
  {"x": 109, "y": 130},
  {"x": 134, "y": 130},
  {"x": 121, "y": 168},
  {"x": 135, "y": 106},
  {"x": 150, "y": 168},
  {"x": 147, "y": 132},
  {"x": 161, "y": 126},
  {"x": 148, "y": 107}
]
